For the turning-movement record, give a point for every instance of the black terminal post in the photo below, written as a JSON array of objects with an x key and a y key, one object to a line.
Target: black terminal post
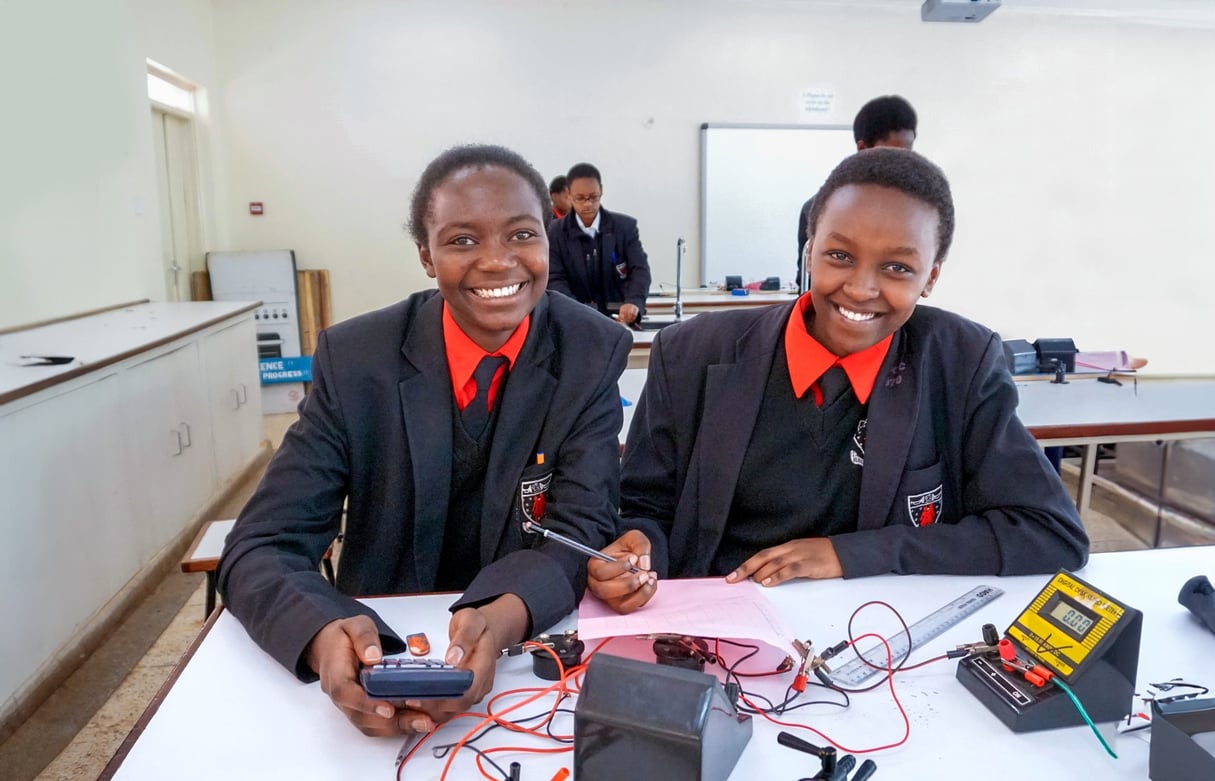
[
  {"x": 989, "y": 645},
  {"x": 843, "y": 768},
  {"x": 825, "y": 754},
  {"x": 1060, "y": 371}
]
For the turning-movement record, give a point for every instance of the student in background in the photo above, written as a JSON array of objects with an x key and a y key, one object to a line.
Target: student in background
[
  {"x": 559, "y": 193},
  {"x": 435, "y": 418},
  {"x": 888, "y": 120},
  {"x": 595, "y": 256},
  {"x": 849, "y": 433}
]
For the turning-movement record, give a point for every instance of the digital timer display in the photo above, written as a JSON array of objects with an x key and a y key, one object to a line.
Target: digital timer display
[
  {"x": 1072, "y": 618},
  {"x": 1069, "y": 615}
]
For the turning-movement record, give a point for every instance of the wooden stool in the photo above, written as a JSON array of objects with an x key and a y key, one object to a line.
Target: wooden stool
[{"x": 203, "y": 556}]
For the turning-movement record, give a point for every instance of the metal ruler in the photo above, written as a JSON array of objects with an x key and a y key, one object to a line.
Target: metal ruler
[{"x": 921, "y": 632}]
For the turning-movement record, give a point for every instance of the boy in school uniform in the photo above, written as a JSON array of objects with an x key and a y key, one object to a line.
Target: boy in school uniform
[
  {"x": 595, "y": 256},
  {"x": 436, "y": 417},
  {"x": 887, "y": 120},
  {"x": 850, "y": 433},
  {"x": 559, "y": 193}
]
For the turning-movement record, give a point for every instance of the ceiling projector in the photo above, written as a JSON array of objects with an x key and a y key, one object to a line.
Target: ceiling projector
[{"x": 957, "y": 10}]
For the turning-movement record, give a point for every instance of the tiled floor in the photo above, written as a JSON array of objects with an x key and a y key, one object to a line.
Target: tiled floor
[{"x": 115, "y": 685}]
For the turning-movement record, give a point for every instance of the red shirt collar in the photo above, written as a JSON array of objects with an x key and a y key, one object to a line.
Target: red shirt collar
[
  {"x": 809, "y": 360},
  {"x": 463, "y": 355}
]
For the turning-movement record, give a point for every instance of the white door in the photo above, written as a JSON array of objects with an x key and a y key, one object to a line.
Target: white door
[{"x": 176, "y": 170}]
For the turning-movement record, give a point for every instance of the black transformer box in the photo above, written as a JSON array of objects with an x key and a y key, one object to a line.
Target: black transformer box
[{"x": 644, "y": 720}]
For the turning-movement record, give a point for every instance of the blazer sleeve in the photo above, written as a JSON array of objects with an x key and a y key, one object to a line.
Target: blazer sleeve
[
  {"x": 637, "y": 286},
  {"x": 268, "y": 570},
  {"x": 1016, "y": 516},
  {"x": 585, "y": 492},
  {"x": 649, "y": 470},
  {"x": 558, "y": 281}
]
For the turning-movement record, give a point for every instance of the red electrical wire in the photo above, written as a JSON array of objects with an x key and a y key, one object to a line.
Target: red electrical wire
[
  {"x": 561, "y": 686},
  {"x": 890, "y": 679}
]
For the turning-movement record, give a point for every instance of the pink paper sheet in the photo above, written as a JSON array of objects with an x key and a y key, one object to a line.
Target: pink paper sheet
[{"x": 700, "y": 607}]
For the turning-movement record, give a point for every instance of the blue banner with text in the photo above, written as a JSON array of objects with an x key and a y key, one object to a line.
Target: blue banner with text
[{"x": 297, "y": 369}]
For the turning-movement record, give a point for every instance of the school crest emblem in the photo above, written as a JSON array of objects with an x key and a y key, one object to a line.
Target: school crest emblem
[
  {"x": 924, "y": 509},
  {"x": 857, "y": 453},
  {"x": 533, "y": 496}
]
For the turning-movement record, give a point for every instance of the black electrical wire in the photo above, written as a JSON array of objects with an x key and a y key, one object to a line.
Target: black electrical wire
[
  {"x": 548, "y": 726},
  {"x": 441, "y": 751},
  {"x": 852, "y": 644},
  {"x": 478, "y": 752},
  {"x": 791, "y": 696}
]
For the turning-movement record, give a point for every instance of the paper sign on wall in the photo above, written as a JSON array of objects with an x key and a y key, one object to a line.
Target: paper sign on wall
[{"x": 815, "y": 104}]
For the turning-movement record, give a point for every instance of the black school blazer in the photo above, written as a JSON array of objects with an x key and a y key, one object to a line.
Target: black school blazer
[
  {"x": 376, "y": 429},
  {"x": 624, "y": 267},
  {"x": 942, "y": 416}
]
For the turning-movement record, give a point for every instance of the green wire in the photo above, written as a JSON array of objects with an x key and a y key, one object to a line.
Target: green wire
[{"x": 1084, "y": 714}]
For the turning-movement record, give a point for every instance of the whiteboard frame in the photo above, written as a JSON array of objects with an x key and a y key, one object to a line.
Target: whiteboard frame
[{"x": 705, "y": 128}]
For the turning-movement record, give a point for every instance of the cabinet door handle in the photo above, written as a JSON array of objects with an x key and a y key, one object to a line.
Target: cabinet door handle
[
  {"x": 186, "y": 427},
  {"x": 244, "y": 393},
  {"x": 235, "y": 399},
  {"x": 175, "y": 439}
]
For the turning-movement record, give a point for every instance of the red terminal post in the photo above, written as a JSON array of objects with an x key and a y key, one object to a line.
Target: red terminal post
[
  {"x": 1038, "y": 675},
  {"x": 1008, "y": 653}
]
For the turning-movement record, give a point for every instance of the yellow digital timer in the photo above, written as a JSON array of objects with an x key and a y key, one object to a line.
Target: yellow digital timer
[
  {"x": 1082, "y": 636},
  {"x": 1068, "y": 623}
]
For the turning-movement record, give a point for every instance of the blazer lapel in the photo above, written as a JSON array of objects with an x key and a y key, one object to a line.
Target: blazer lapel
[
  {"x": 426, "y": 404},
  {"x": 577, "y": 271},
  {"x": 894, "y": 405},
  {"x": 733, "y": 396},
  {"x": 523, "y": 406},
  {"x": 606, "y": 267}
]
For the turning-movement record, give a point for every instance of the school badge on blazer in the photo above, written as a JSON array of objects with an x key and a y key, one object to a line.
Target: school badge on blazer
[
  {"x": 857, "y": 452},
  {"x": 925, "y": 508},
  {"x": 533, "y": 496}
]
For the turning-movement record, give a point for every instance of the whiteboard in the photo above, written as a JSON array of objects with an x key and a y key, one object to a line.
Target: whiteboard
[{"x": 753, "y": 182}]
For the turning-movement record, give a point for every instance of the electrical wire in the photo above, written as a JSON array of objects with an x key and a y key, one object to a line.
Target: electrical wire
[
  {"x": 890, "y": 668},
  {"x": 1084, "y": 714},
  {"x": 924, "y": 663},
  {"x": 732, "y": 672},
  {"x": 571, "y": 680},
  {"x": 441, "y": 751},
  {"x": 569, "y": 683}
]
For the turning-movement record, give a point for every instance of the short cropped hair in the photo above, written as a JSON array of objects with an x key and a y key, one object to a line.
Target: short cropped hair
[
  {"x": 899, "y": 169},
  {"x": 457, "y": 158},
  {"x": 882, "y": 116},
  {"x": 584, "y": 171},
  {"x": 559, "y": 185}
]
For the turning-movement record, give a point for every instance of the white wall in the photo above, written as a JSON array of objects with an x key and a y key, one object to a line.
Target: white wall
[
  {"x": 1075, "y": 144},
  {"x": 180, "y": 35},
  {"x": 79, "y": 224}
]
